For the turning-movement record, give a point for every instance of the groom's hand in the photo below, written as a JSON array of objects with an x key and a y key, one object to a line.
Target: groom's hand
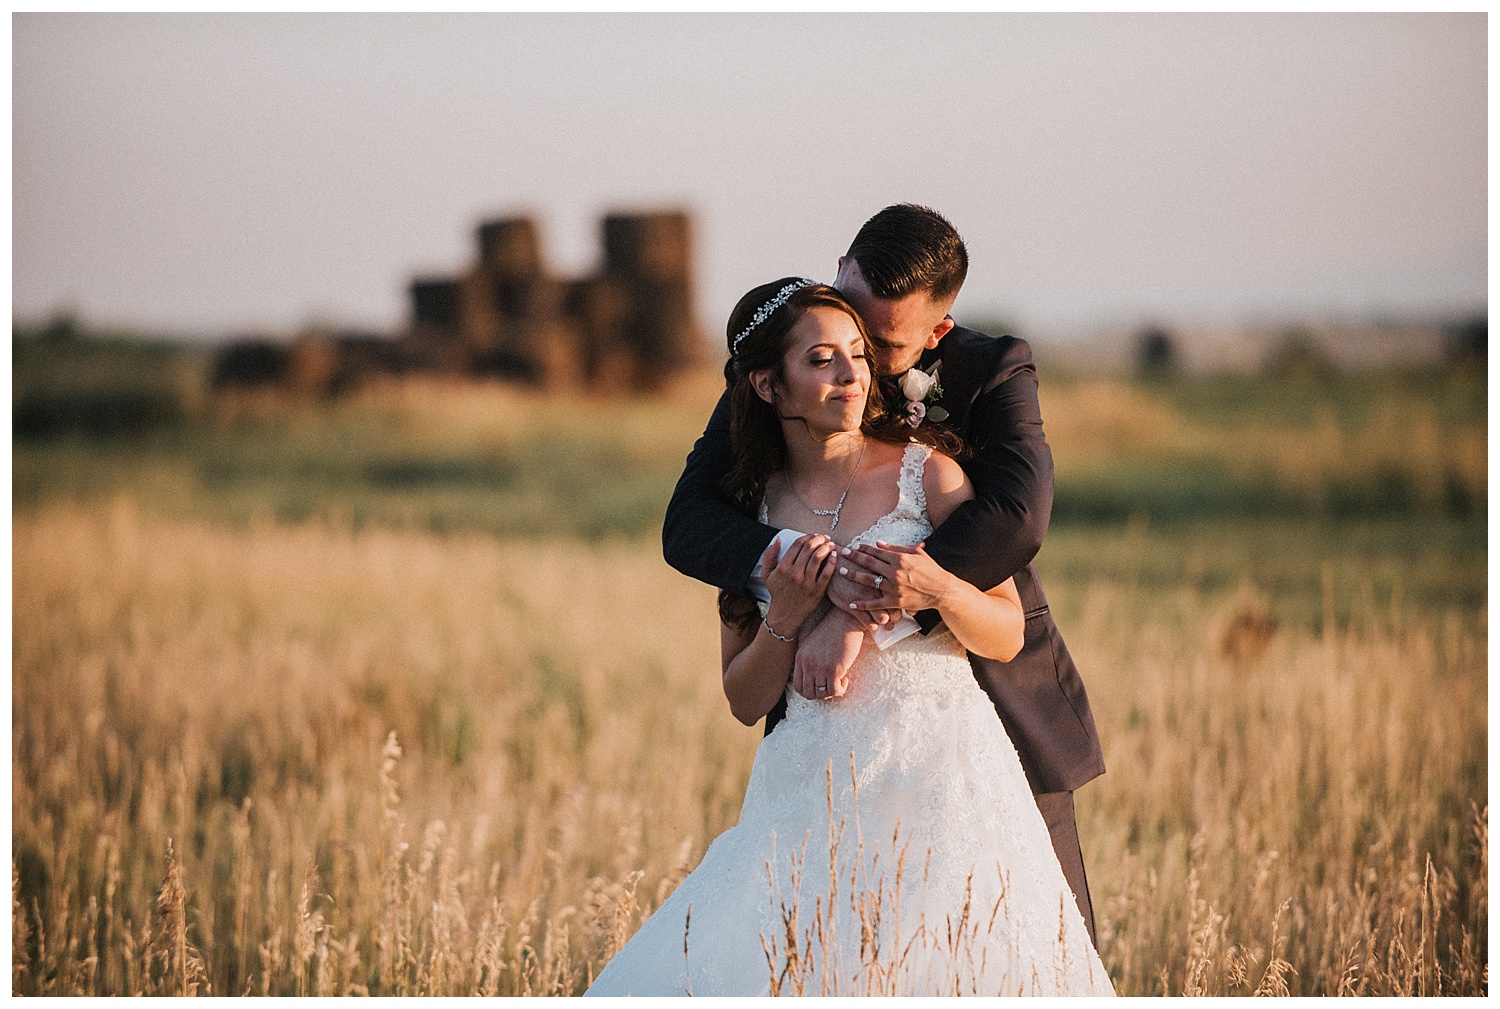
[
  {"x": 906, "y": 576},
  {"x": 825, "y": 655}
]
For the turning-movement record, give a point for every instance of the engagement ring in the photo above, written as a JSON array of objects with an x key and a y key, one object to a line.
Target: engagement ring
[{"x": 878, "y": 580}]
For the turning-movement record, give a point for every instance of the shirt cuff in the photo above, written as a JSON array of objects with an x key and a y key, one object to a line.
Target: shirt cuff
[
  {"x": 756, "y": 585},
  {"x": 885, "y": 637}
]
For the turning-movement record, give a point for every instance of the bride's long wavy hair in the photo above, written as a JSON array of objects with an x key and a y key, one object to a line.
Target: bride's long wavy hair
[{"x": 755, "y": 436}]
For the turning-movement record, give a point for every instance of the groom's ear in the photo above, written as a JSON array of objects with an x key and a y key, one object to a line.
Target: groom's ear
[
  {"x": 939, "y": 331},
  {"x": 848, "y": 275}
]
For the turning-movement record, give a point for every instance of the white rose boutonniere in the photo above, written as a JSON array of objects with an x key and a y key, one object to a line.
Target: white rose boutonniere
[
  {"x": 916, "y": 384},
  {"x": 922, "y": 390}
]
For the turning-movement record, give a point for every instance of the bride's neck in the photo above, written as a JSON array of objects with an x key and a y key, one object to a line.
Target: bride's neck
[{"x": 810, "y": 457}]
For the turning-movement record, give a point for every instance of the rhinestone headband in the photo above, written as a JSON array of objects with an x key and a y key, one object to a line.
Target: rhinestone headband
[{"x": 764, "y": 312}]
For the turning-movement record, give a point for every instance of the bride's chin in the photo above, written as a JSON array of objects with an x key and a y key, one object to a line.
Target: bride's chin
[
  {"x": 848, "y": 419},
  {"x": 835, "y": 430}
]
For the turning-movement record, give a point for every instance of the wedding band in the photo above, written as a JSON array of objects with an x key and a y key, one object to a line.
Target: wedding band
[{"x": 878, "y": 580}]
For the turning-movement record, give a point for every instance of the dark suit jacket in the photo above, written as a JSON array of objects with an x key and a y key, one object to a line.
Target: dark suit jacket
[{"x": 990, "y": 391}]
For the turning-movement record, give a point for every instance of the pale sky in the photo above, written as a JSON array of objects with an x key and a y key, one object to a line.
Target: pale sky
[{"x": 211, "y": 174}]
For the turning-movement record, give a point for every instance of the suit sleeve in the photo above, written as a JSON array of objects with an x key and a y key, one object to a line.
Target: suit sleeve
[
  {"x": 703, "y": 535},
  {"x": 990, "y": 538}
]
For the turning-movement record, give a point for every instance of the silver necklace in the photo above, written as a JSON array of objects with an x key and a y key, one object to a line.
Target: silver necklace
[{"x": 838, "y": 508}]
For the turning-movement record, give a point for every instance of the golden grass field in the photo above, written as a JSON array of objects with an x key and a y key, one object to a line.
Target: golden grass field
[{"x": 329, "y": 756}]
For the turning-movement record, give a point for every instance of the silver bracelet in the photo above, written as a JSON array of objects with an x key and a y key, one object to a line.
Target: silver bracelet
[{"x": 767, "y": 624}]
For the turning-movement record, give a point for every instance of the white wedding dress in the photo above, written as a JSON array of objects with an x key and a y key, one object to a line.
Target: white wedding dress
[{"x": 888, "y": 844}]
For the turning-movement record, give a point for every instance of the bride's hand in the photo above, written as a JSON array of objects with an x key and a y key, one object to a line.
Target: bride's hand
[
  {"x": 825, "y": 656},
  {"x": 906, "y": 577},
  {"x": 798, "y": 580},
  {"x": 842, "y": 592}
]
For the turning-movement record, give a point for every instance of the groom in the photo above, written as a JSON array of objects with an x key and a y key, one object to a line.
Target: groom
[{"x": 902, "y": 273}]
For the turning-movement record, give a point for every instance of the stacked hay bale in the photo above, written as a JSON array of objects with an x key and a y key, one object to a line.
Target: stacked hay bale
[
  {"x": 432, "y": 341},
  {"x": 599, "y": 311},
  {"x": 649, "y": 256},
  {"x": 630, "y": 326},
  {"x": 511, "y": 310},
  {"x": 250, "y": 362},
  {"x": 319, "y": 362},
  {"x": 313, "y": 364}
]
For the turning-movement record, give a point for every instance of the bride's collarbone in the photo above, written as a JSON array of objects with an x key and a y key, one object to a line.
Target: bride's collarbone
[{"x": 874, "y": 494}]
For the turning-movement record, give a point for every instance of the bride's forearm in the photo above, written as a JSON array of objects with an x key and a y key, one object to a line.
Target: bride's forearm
[
  {"x": 755, "y": 679},
  {"x": 758, "y": 666},
  {"x": 993, "y": 626}
]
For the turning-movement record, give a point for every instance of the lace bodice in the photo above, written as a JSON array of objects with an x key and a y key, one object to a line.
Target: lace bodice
[{"x": 907, "y": 523}]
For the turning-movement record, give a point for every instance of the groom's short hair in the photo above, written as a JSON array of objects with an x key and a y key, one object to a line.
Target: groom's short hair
[{"x": 907, "y": 248}]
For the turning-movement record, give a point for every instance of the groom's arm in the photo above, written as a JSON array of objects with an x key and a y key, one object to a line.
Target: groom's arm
[
  {"x": 703, "y": 535},
  {"x": 990, "y": 538}
]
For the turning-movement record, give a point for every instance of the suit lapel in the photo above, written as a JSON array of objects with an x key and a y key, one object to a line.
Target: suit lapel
[{"x": 960, "y": 383}]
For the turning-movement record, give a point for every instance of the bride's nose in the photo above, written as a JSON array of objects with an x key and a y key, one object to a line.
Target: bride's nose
[{"x": 848, "y": 374}]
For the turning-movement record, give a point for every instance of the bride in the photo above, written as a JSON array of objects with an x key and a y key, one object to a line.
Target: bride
[{"x": 888, "y": 842}]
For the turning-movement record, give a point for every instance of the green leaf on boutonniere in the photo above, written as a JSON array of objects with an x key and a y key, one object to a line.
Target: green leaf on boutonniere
[{"x": 937, "y": 415}]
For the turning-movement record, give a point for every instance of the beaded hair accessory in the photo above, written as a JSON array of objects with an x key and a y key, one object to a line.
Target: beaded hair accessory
[{"x": 764, "y": 312}]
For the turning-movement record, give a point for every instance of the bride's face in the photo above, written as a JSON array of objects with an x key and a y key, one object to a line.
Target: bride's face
[{"x": 826, "y": 375}]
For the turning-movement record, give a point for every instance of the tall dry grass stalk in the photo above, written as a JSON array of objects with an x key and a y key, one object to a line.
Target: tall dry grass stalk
[
  {"x": 1311, "y": 820},
  {"x": 310, "y": 760},
  {"x": 387, "y": 762}
]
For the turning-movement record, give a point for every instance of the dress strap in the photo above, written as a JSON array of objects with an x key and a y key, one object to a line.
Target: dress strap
[{"x": 909, "y": 484}]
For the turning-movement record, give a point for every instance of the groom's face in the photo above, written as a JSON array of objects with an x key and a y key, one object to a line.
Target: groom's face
[{"x": 900, "y": 328}]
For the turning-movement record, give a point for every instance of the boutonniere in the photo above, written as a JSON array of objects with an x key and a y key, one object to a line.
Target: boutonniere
[{"x": 923, "y": 393}]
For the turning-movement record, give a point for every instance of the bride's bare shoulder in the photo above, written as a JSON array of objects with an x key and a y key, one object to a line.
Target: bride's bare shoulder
[{"x": 945, "y": 485}]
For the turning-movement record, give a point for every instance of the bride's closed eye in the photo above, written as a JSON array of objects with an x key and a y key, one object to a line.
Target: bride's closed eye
[{"x": 819, "y": 362}]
